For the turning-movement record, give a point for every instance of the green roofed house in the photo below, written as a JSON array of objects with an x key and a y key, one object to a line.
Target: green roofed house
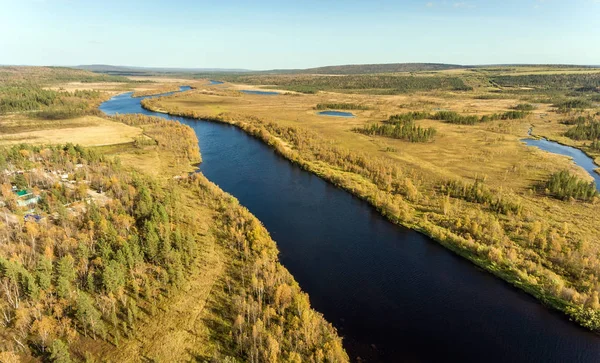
[
  {"x": 21, "y": 192},
  {"x": 26, "y": 199}
]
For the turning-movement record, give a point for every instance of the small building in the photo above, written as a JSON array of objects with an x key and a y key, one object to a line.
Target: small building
[{"x": 26, "y": 199}]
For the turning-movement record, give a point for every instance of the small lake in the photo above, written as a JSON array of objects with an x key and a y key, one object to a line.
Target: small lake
[
  {"x": 579, "y": 157},
  {"x": 215, "y": 82},
  {"x": 257, "y": 92},
  {"x": 336, "y": 113},
  {"x": 394, "y": 294}
]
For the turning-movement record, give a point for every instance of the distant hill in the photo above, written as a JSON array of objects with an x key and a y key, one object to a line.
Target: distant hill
[
  {"x": 349, "y": 69},
  {"x": 377, "y": 68},
  {"x": 128, "y": 70}
]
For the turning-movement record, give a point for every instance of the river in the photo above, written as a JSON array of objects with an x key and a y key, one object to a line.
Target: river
[{"x": 394, "y": 294}]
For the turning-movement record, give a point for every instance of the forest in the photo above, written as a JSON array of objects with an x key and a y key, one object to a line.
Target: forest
[
  {"x": 550, "y": 81},
  {"x": 48, "y": 104},
  {"x": 94, "y": 269},
  {"x": 379, "y": 84}
]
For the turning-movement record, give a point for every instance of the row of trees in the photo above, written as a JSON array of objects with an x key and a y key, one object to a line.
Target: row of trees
[
  {"x": 456, "y": 118},
  {"x": 341, "y": 106},
  {"x": 585, "y": 131},
  {"x": 406, "y": 130}
]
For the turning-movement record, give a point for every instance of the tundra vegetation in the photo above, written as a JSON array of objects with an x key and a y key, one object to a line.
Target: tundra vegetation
[
  {"x": 448, "y": 161},
  {"x": 121, "y": 245}
]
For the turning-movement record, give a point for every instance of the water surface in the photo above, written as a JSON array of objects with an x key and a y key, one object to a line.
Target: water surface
[
  {"x": 336, "y": 113},
  {"x": 215, "y": 82},
  {"x": 579, "y": 157},
  {"x": 394, "y": 294},
  {"x": 257, "y": 92}
]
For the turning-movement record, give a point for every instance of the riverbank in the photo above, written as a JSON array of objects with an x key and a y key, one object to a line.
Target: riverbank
[
  {"x": 158, "y": 249},
  {"x": 560, "y": 141},
  {"x": 404, "y": 210}
]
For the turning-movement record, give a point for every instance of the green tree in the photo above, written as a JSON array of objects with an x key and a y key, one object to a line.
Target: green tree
[
  {"x": 65, "y": 276},
  {"x": 59, "y": 352},
  {"x": 44, "y": 273}
]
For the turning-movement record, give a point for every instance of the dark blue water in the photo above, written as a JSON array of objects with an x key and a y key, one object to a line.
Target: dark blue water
[
  {"x": 578, "y": 156},
  {"x": 336, "y": 113},
  {"x": 394, "y": 294},
  {"x": 216, "y": 82},
  {"x": 256, "y": 92}
]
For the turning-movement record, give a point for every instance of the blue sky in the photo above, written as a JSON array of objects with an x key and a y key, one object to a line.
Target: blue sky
[{"x": 297, "y": 34}]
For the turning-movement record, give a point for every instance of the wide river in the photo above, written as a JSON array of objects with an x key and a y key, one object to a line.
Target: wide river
[{"x": 394, "y": 294}]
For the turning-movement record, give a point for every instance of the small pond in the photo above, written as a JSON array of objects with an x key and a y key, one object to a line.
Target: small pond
[{"x": 336, "y": 113}]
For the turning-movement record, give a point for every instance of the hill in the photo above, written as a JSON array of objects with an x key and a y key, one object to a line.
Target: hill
[{"x": 380, "y": 68}]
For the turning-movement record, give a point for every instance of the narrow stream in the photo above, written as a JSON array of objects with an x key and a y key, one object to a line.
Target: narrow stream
[
  {"x": 579, "y": 157},
  {"x": 394, "y": 294}
]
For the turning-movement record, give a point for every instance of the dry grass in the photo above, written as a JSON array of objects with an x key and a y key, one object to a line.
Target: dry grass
[
  {"x": 109, "y": 87},
  {"x": 86, "y": 131},
  {"x": 492, "y": 151}
]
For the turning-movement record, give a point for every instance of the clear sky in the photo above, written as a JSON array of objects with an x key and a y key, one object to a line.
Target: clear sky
[{"x": 267, "y": 34}]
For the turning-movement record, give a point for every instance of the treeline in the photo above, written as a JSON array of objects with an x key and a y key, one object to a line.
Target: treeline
[
  {"x": 386, "y": 84},
  {"x": 341, "y": 106},
  {"x": 47, "y": 104},
  {"x": 550, "y": 81},
  {"x": 564, "y": 185},
  {"x": 589, "y": 130},
  {"x": 456, "y": 118}
]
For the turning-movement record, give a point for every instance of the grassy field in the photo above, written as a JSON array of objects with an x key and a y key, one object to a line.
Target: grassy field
[
  {"x": 545, "y": 246},
  {"x": 491, "y": 150},
  {"x": 85, "y": 131}
]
